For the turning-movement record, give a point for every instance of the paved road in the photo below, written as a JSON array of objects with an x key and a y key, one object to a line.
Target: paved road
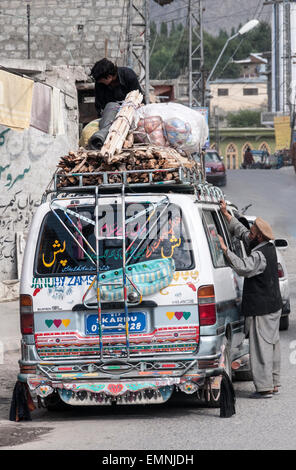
[
  {"x": 181, "y": 424},
  {"x": 271, "y": 192}
]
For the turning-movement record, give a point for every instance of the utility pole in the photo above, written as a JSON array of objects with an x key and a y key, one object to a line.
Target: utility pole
[
  {"x": 138, "y": 37},
  {"x": 217, "y": 135},
  {"x": 287, "y": 70},
  {"x": 282, "y": 64},
  {"x": 29, "y": 29},
  {"x": 196, "y": 82},
  {"x": 275, "y": 55}
]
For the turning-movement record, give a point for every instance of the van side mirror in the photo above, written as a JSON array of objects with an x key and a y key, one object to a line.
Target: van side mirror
[{"x": 281, "y": 243}]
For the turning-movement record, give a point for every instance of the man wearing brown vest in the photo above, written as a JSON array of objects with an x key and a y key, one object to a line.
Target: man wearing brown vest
[{"x": 261, "y": 301}]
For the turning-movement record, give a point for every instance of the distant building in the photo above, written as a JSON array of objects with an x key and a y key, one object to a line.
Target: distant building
[
  {"x": 253, "y": 66},
  {"x": 171, "y": 90},
  {"x": 165, "y": 90},
  {"x": 230, "y": 95},
  {"x": 233, "y": 142}
]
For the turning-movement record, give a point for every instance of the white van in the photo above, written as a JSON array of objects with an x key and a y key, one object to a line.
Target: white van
[{"x": 128, "y": 316}]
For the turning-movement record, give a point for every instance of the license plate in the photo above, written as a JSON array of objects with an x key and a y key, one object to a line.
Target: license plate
[
  {"x": 208, "y": 170},
  {"x": 137, "y": 323}
]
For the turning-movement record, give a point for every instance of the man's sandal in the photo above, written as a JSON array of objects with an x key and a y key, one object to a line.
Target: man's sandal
[{"x": 261, "y": 395}]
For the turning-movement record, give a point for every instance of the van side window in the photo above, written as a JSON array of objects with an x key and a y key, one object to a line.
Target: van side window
[
  {"x": 212, "y": 230},
  {"x": 235, "y": 243},
  {"x": 219, "y": 221}
]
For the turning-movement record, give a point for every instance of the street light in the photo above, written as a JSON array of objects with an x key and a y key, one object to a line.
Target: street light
[{"x": 243, "y": 30}]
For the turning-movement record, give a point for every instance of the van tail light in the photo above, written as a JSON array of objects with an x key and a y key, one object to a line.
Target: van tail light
[
  {"x": 280, "y": 270},
  {"x": 206, "y": 305},
  {"x": 26, "y": 314}
]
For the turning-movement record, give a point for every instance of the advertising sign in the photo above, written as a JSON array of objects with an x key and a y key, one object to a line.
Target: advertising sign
[{"x": 282, "y": 131}]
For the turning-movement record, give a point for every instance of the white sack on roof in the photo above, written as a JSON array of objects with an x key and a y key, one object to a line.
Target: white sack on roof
[{"x": 184, "y": 128}]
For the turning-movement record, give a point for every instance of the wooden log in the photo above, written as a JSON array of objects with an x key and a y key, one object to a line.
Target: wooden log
[{"x": 121, "y": 125}]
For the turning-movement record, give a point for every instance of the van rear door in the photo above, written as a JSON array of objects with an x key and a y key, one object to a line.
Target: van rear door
[{"x": 68, "y": 256}]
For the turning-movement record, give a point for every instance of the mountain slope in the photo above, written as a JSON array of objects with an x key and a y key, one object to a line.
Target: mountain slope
[{"x": 218, "y": 14}]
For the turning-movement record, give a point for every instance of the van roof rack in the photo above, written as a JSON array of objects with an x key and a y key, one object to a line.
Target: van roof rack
[{"x": 188, "y": 182}]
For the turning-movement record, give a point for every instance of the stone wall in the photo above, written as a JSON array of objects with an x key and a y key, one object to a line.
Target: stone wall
[
  {"x": 71, "y": 32},
  {"x": 28, "y": 160}
]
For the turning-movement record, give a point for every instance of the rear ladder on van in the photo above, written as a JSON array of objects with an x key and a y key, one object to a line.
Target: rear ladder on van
[{"x": 186, "y": 182}]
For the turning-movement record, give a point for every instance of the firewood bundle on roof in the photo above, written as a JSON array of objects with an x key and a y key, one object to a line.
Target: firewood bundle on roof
[
  {"x": 140, "y": 158},
  {"x": 120, "y": 154}
]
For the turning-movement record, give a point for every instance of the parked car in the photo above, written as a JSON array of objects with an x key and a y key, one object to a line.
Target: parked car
[
  {"x": 215, "y": 168},
  {"x": 184, "y": 316},
  {"x": 280, "y": 245}
]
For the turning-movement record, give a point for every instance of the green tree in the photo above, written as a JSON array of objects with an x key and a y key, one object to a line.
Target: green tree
[
  {"x": 244, "y": 118},
  {"x": 169, "y": 55}
]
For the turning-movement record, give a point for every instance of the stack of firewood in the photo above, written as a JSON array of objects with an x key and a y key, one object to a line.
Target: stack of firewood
[
  {"x": 120, "y": 154},
  {"x": 142, "y": 157}
]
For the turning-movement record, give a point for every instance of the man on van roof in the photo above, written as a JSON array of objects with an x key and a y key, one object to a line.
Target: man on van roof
[
  {"x": 112, "y": 83},
  {"x": 261, "y": 302}
]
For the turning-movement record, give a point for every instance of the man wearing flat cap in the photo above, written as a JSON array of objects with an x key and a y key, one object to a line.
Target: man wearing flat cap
[{"x": 261, "y": 301}]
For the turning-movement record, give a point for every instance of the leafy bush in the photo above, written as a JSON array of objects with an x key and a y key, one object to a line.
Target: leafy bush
[{"x": 244, "y": 118}]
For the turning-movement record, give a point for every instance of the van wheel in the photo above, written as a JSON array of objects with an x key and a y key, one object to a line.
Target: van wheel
[
  {"x": 243, "y": 376},
  {"x": 284, "y": 323},
  {"x": 54, "y": 403},
  {"x": 212, "y": 396}
]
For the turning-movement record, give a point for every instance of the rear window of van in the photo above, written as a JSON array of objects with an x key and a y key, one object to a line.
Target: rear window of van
[{"x": 67, "y": 243}]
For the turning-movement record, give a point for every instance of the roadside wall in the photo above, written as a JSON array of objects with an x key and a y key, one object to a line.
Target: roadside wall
[
  {"x": 71, "y": 32},
  {"x": 28, "y": 160}
]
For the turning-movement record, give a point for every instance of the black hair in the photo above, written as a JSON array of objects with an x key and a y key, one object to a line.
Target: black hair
[{"x": 103, "y": 68}]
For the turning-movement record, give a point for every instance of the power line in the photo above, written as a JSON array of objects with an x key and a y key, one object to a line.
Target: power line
[{"x": 170, "y": 59}]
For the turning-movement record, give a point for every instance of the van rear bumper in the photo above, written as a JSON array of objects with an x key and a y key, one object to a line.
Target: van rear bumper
[{"x": 81, "y": 389}]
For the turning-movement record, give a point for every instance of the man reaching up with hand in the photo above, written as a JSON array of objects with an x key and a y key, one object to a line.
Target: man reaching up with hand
[{"x": 261, "y": 301}]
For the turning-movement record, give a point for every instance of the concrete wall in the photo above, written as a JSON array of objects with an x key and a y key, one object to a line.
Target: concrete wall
[
  {"x": 27, "y": 162},
  {"x": 72, "y": 32}
]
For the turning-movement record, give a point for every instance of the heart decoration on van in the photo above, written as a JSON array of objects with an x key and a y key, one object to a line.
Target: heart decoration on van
[
  {"x": 57, "y": 323},
  {"x": 186, "y": 315},
  {"x": 178, "y": 315},
  {"x": 115, "y": 389},
  {"x": 170, "y": 315}
]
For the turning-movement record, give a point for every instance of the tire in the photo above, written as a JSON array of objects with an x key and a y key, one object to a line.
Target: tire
[
  {"x": 212, "y": 397},
  {"x": 243, "y": 376},
  {"x": 54, "y": 403},
  {"x": 284, "y": 323}
]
